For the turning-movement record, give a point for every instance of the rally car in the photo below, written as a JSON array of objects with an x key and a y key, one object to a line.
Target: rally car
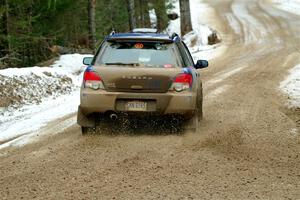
[{"x": 140, "y": 73}]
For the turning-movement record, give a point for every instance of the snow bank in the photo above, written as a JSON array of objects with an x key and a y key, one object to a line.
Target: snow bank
[
  {"x": 32, "y": 88},
  {"x": 292, "y": 6},
  {"x": 38, "y": 95},
  {"x": 19, "y": 86},
  {"x": 29, "y": 118},
  {"x": 291, "y": 87}
]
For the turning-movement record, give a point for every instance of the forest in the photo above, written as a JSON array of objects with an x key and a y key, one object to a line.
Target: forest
[{"x": 32, "y": 31}]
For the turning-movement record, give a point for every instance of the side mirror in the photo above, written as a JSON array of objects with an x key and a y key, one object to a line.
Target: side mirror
[
  {"x": 201, "y": 64},
  {"x": 87, "y": 60}
]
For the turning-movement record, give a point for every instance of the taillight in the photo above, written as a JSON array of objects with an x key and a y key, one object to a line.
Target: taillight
[
  {"x": 92, "y": 80},
  {"x": 182, "y": 82},
  {"x": 91, "y": 76}
]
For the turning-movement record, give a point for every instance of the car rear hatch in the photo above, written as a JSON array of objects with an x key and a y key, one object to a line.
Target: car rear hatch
[{"x": 137, "y": 79}]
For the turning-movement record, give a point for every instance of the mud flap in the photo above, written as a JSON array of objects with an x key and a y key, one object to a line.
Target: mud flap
[
  {"x": 192, "y": 124},
  {"x": 83, "y": 120}
]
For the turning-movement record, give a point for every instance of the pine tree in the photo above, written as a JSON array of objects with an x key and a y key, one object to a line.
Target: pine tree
[
  {"x": 30, "y": 28},
  {"x": 161, "y": 14}
]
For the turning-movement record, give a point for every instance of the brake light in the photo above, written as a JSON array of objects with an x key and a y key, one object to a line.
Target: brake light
[
  {"x": 182, "y": 82},
  {"x": 92, "y": 80},
  {"x": 184, "y": 78},
  {"x": 91, "y": 76}
]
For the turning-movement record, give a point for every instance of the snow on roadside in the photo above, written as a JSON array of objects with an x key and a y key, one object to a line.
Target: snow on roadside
[
  {"x": 292, "y": 6},
  {"x": 291, "y": 87},
  {"x": 197, "y": 40},
  {"x": 19, "y": 86},
  {"x": 45, "y": 94},
  {"x": 18, "y": 90},
  {"x": 32, "y": 117}
]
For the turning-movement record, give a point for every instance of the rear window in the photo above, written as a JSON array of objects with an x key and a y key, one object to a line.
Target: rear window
[{"x": 138, "y": 54}]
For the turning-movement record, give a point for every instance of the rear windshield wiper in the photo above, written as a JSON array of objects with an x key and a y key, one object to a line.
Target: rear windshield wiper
[{"x": 119, "y": 63}]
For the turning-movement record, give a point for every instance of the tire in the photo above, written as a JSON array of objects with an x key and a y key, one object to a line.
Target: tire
[
  {"x": 195, "y": 123},
  {"x": 199, "y": 110},
  {"x": 199, "y": 105},
  {"x": 192, "y": 124},
  {"x": 198, "y": 115}
]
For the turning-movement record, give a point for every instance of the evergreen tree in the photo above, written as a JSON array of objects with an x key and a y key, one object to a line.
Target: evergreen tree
[{"x": 30, "y": 28}]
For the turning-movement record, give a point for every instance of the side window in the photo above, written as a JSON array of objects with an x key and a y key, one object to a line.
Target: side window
[
  {"x": 178, "y": 56},
  {"x": 97, "y": 57},
  {"x": 187, "y": 60},
  {"x": 188, "y": 53}
]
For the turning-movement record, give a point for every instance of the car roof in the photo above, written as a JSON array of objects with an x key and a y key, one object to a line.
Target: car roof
[{"x": 138, "y": 36}]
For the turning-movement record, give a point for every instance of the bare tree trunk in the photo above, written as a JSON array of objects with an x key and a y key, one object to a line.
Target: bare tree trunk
[
  {"x": 146, "y": 16},
  {"x": 142, "y": 16},
  {"x": 30, "y": 50},
  {"x": 160, "y": 9},
  {"x": 141, "y": 13},
  {"x": 6, "y": 24},
  {"x": 185, "y": 17},
  {"x": 113, "y": 15},
  {"x": 131, "y": 14},
  {"x": 91, "y": 22}
]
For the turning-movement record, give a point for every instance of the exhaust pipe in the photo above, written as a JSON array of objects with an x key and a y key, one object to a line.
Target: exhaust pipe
[{"x": 113, "y": 116}]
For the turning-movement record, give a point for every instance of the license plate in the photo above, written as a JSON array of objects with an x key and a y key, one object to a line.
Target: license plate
[{"x": 136, "y": 106}]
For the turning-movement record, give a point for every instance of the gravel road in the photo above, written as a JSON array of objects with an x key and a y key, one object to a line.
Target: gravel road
[{"x": 248, "y": 145}]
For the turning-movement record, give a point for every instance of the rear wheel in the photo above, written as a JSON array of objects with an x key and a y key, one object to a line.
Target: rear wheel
[
  {"x": 199, "y": 109},
  {"x": 199, "y": 103},
  {"x": 193, "y": 123}
]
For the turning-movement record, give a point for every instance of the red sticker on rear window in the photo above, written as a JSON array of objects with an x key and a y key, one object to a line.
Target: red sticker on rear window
[
  {"x": 168, "y": 66},
  {"x": 139, "y": 46}
]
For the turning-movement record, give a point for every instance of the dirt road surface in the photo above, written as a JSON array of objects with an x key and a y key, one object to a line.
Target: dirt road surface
[{"x": 247, "y": 147}]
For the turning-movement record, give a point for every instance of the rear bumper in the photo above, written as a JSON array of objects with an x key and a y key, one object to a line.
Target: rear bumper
[{"x": 99, "y": 101}]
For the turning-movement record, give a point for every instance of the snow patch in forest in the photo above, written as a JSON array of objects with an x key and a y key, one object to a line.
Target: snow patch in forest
[
  {"x": 291, "y": 87},
  {"x": 153, "y": 18},
  {"x": 174, "y": 25},
  {"x": 292, "y": 6}
]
